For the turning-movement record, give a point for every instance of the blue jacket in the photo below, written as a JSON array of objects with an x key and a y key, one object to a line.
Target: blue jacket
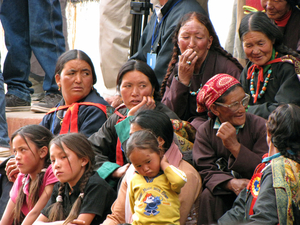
[
  {"x": 163, "y": 45},
  {"x": 90, "y": 118}
]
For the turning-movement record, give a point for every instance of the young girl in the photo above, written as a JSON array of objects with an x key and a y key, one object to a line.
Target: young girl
[
  {"x": 154, "y": 189},
  {"x": 33, "y": 186},
  {"x": 81, "y": 195}
]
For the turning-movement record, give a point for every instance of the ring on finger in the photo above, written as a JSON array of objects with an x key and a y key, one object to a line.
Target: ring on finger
[{"x": 189, "y": 62}]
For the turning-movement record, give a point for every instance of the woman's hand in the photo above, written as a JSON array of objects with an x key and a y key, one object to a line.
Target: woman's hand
[
  {"x": 186, "y": 66},
  {"x": 227, "y": 133},
  {"x": 237, "y": 185},
  {"x": 114, "y": 101},
  {"x": 147, "y": 103},
  {"x": 12, "y": 170},
  {"x": 164, "y": 163},
  {"x": 120, "y": 171}
]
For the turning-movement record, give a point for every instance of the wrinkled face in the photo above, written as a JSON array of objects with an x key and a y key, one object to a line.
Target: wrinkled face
[
  {"x": 133, "y": 87},
  {"x": 75, "y": 80},
  {"x": 258, "y": 47},
  {"x": 66, "y": 165},
  {"x": 275, "y": 9},
  {"x": 145, "y": 161},
  {"x": 194, "y": 35},
  {"x": 27, "y": 157},
  {"x": 226, "y": 115}
]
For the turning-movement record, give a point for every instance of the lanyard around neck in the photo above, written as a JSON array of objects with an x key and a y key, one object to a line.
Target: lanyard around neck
[{"x": 155, "y": 34}]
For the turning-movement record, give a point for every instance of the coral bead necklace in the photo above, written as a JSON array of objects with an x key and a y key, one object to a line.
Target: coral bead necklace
[
  {"x": 194, "y": 93},
  {"x": 263, "y": 89}
]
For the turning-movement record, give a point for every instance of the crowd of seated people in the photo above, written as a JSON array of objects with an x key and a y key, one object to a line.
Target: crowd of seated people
[{"x": 82, "y": 165}]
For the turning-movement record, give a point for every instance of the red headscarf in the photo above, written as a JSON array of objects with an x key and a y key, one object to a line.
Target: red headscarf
[{"x": 213, "y": 89}]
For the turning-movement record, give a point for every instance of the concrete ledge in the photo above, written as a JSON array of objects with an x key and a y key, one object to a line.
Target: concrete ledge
[{"x": 15, "y": 120}]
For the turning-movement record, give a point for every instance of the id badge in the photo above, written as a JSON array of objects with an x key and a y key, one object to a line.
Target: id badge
[{"x": 151, "y": 59}]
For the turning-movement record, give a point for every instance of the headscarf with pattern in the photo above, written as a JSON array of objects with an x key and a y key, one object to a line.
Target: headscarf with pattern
[{"x": 214, "y": 88}]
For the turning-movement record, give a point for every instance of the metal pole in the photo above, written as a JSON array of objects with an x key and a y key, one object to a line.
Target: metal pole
[{"x": 140, "y": 12}]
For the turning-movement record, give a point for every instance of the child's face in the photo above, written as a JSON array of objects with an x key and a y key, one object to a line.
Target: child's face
[
  {"x": 27, "y": 157},
  {"x": 66, "y": 166},
  {"x": 145, "y": 161}
]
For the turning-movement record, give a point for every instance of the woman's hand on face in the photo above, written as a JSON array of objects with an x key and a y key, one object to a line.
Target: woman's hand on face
[
  {"x": 120, "y": 171},
  {"x": 227, "y": 133},
  {"x": 186, "y": 66},
  {"x": 237, "y": 185},
  {"x": 147, "y": 103},
  {"x": 12, "y": 170}
]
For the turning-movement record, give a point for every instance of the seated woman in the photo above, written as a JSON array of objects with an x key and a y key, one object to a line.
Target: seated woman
[
  {"x": 149, "y": 120},
  {"x": 138, "y": 86},
  {"x": 228, "y": 147},
  {"x": 269, "y": 78},
  {"x": 286, "y": 16},
  {"x": 75, "y": 77},
  {"x": 197, "y": 56},
  {"x": 272, "y": 196}
]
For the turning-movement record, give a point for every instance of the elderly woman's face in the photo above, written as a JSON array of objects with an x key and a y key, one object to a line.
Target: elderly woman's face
[
  {"x": 236, "y": 118},
  {"x": 75, "y": 80},
  {"x": 194, "y": 35},
  {"x": 133, "y": 87},
  {"x": 275, "y": 9},
  {"x": 257, "y": 47}
]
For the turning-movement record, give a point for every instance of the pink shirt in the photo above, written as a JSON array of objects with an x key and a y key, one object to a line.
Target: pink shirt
[{"x": 49, "y": 178}]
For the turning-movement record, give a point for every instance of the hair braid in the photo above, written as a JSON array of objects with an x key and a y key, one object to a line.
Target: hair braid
[
  {"x": 77, "y": 204},
  {"x": 18, "y": 215},
  {"x": 229, "y": 56},
  {"x": 283, "y": 49},
  {"x": 170, "y": 69},
  {"x": 35, "y": 186},
  {"x": 57, "y": 211},
  {"x": 290, "y": 156}
]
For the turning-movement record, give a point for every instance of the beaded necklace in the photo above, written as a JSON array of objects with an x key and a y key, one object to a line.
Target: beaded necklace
[
  {"x": 264, "y": 88},
  {"x": 56, "y": 114},
  {"x": 194, "y": 93}
]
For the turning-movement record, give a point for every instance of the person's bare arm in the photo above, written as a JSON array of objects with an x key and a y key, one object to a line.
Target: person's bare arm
[
  {"x": 41, "y": 203},
  {"x": 7, "y": 217}
]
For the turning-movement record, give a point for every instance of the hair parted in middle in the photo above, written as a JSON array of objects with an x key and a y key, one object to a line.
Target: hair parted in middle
[
  {"x": 79, "y": 144},
  {"x": 141, "y": 140}
]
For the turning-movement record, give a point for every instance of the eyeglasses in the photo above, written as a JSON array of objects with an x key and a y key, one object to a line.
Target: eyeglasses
[{"x": 236, "y": 105}]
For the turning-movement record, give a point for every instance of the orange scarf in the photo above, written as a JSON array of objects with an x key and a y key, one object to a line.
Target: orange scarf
[
  {"x": 252, "y": 69},
  {"x": 70, "y": 121}
]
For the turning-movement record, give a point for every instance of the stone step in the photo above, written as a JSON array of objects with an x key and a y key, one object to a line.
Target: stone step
[{"x": 16, "y": 120}]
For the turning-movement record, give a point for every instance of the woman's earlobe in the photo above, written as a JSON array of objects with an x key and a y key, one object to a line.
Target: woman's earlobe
[
  {"x": 153, "y": 90},
  {"x": 210, "y": 42},
  {"x": 161, "y": 142},
  {"x": 214, "y": 110}
]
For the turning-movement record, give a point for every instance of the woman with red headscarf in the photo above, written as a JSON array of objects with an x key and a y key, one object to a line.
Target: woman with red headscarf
[{"x": 227, "y": 147}]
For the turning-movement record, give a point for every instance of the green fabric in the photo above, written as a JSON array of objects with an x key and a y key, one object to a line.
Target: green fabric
[
  {"x": 123, "y": 129},
  {"x": 267, "y": 67},
  {"x": 218, "y": 124},
  {"x": 106, "y": 170},
  {"x": 286, "y": 179}
]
